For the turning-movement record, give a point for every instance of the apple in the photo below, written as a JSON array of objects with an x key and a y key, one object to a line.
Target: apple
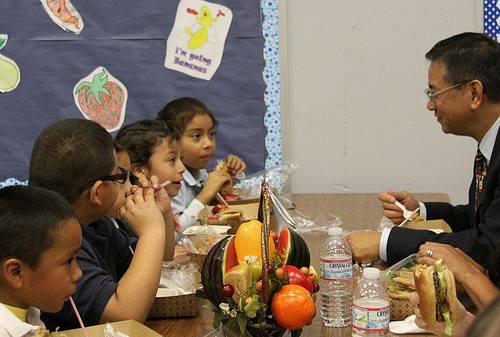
[
  {"x": 231, "y": 197},
  {"x": 217, "y": 208}
]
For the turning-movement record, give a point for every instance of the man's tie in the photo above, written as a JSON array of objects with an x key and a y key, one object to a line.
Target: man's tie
[{"x": 480, "y": 170}]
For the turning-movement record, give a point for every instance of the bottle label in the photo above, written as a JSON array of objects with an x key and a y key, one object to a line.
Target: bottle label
[
  {"x": 370, "y": 319},
  {"x": 335, "y": 270}
]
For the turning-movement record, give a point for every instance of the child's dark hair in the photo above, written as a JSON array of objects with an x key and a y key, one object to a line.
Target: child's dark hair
[
  {"x": 141, "y": 138},
  {"x": 69, "y": 155},
  {"x": 183, "y": 110},
  {"x": 118, "y": 147},
  {"x": 30, "y": 218}
]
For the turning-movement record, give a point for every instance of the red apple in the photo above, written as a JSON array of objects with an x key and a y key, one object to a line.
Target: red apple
[
  {"x": 231, "y": 197},
  {"x": 217, "y": 208}
]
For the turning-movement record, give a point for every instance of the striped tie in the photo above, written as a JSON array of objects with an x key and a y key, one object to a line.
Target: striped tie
[{"x": 480, "y": 170}]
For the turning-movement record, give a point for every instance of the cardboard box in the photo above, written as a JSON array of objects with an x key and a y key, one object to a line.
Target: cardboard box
[
  {"x": 437, "y": 225},
  {"x": 130, "y": 327},
  {"x": 166, "y": 305}
]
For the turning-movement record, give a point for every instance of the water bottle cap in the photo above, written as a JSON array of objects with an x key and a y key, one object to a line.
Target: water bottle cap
[
  {"x": 371, "y": 273},
  {"x": 335, "y": 231}
]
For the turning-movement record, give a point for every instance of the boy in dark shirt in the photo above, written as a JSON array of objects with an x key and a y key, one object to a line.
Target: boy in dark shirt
[{"x": 76, "y": 157}]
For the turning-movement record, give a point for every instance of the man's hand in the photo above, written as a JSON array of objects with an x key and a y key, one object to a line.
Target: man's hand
[
  {"x": 365, "y": 246},
  {"x": 393, "y": 212},
  {"x": 460, "y": 264}
]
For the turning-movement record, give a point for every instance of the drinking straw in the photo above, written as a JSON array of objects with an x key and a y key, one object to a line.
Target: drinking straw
[
  {"x": 167, "y": 182},
  {"x": 408, "y": 218},
  {"x": 78, "y": 316},
  {"x": 222, "y": 199}
]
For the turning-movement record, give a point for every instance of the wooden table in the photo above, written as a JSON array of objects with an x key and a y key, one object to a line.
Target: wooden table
[{"x": 358, "y": 211}]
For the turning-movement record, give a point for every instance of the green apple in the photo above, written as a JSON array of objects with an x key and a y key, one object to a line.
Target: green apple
[{"x": 256, "y": 268}]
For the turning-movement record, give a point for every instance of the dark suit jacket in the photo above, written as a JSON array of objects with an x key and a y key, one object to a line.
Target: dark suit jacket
[{"x": 477, "y": 234}]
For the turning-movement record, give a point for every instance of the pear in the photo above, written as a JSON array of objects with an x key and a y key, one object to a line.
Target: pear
[
  {"x": 240, "y": 277},
  {"x": 9, "y": 71}
]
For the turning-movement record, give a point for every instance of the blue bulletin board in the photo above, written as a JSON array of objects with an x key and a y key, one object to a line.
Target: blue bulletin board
[
  {"x": 491, "y": 14},
  {"x": 129, "y": 41}
]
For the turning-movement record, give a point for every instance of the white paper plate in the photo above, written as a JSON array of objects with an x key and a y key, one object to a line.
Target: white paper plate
[{"x": 194, "y": 229}]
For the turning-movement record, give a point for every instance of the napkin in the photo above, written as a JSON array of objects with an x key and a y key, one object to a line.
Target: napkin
[{"x": 405, "y": 327}]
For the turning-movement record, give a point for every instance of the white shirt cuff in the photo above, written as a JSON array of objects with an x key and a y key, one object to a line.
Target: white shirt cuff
[
  {"x": 382, "y": 248},
  {"x": 423, "y": 211}
]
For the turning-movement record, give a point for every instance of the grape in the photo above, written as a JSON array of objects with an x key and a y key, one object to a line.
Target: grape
[{"x": 227, "y": 290}]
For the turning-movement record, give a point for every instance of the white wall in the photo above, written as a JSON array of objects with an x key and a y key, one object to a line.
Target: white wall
[{"x": 353, "y": 107}]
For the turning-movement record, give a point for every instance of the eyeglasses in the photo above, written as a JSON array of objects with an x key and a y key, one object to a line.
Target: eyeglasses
[
  {"x": 432, "y": 96},
  {"x": 120, "y": 178}
]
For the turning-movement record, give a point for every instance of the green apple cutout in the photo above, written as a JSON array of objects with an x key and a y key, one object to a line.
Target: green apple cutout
[{"x": 9, "y": 71}]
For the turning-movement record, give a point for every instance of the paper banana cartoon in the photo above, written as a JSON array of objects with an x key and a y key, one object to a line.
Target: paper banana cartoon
[{"x": 202, "y": 31}]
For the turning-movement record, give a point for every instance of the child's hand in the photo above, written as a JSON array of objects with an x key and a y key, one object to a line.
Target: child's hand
[
  {"x": 235, "y": 164},
  {"x": 161, "y": 196},
  {"x": 213, "y": 185},
  {"x": 141, "y": 213}
]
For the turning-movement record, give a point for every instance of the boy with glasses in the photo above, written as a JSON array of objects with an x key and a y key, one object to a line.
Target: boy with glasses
[
  {"x": 464, "y": 94},
  {"x": 76, "y": 157}
]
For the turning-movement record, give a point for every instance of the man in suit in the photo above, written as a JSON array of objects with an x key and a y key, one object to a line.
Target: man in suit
[{"x": 464, "y": 93}]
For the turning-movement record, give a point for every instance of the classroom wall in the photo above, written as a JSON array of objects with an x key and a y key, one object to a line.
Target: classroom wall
[{"x": 353, "y": 108}]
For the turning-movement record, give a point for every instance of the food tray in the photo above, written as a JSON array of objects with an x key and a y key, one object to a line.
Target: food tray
[
  {"x": 400, "y": 309},
  {"x": 129, "y": 327}
]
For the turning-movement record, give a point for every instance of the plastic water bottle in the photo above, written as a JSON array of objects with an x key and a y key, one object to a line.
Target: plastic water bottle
[
  {"x": 336, "y": 280},
  {"x": 371, "y": 306}
]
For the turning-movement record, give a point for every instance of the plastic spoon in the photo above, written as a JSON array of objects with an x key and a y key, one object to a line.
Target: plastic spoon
[{"x": 406, "y": 213}]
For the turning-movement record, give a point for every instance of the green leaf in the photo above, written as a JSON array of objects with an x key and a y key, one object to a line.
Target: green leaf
[
  {"x": 242, "y": 323},
  {"x": 296, "y": 333},
  {"x": 232, "y": 325},
  {"x": 217, "y": 320},
  {"x": 211, "y": 307},
  {"x": 201, "y": 294},
  {"x": 253, "y": 307}
]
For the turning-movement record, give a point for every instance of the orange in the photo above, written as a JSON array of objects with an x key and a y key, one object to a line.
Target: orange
[
  {"x": 247, "y": 241},
  {"x": 293, "y": 307}
]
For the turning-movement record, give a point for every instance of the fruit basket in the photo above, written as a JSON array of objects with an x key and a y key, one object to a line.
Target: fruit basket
[{"x": 260, "y": 283}]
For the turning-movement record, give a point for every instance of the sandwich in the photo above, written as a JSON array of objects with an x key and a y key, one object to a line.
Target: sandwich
[
  {"x": 42, "y": 332},
  {"x": 229, "y": 214},
  {"x": 435, "y": 286},
  {"x": 227, "y": 188},
  {"x": 401, "y": 285}
]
